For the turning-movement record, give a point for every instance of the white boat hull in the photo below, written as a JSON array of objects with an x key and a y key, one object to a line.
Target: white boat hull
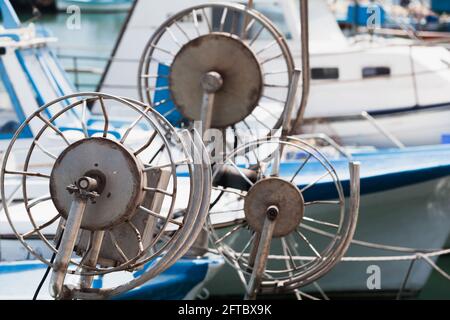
[{"x": 416, "y": 127}]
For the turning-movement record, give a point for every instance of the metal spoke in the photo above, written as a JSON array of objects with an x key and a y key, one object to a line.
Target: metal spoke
[
  {"x": 37, "y": 201},
  {"x": 28, "y": 174},
  {"x": 256, "y": 36},
  {"x": 83, "y": 119},
  {"x": 240, "y": 172},
  {"x": 269, "y": 112},
  {"x": 207, "y": 20},
  {"x": 301, "y": 168},
  {"x": 41, "y": 227},
  {"x": 167, "y": 165},
  {"x": 314, "y": 182},
  {"x": 246, "y": 28},
  {"x": 328, "y": 224},
  {"x": 157, "y": 190},
  {"x": 173, "y": 36},
  {"x": 58, "y": 132},
  {"x": 159, "y": 216},
  {"x": 321, "y": 202},
  {"x": 138, "y": 236},
  {"x": 275, "y": 73},
  {"x": 157, "y": 153},
  {"x": 44, "y": 150},
  {"x": 313, "y": 249},
  {"x": 273, "y": 99},
  {"x": 229, "y": 191},
  {"x": 272, "y": 58},
  {"x": 117, "y": 247},
  {"x": 278, "y": 86},
  {"x": 151, "y": 76},
  {"x": 246, "y": 247},
  {"x": 147, "y": 144},
  {"x": 182, "y": 31},
  {"x": 133, "y": 125},
  {"x": 288, "y": 252},
  {"x": 167, "y": 64},
  {"x": 231, "y": 232},
  {"x": 226, "y": 211},
  {"x": 194, "y": 15},
  {"x": 223, "y": 19},
  {"x": 233, "y": 29},
  {"x": 162, "y": 50},
  {"x": 270, "y": 45},
  {"x": 105, "y": 117},
  {"x": 260, "y": 122}
]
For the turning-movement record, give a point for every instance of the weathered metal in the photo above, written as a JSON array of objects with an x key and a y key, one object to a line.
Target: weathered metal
[
  {"x": 274, "y": 210},
  {"x": 224, "y": 48},
  {"x": 108, "y": 193},
  {"x": 122, "y": 186},
  {"x": 285, "y": 196},
  {"x": 236, "y": 64}
]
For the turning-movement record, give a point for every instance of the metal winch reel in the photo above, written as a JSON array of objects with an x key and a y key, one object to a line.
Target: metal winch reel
[
  {"x": 266, "y": 223},
  {"x": 110, "y": 193},
  {"x": 225, "y": 65}
]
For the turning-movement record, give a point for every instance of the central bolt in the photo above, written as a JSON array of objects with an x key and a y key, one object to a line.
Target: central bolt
[
  {"x": 212, "y": 82},
  {"x": 272, "y": 212},
  {"x": 87, "y": 184}
]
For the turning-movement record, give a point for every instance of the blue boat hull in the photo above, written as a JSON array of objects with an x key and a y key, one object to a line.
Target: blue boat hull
[{"x": 183, "y": 280}]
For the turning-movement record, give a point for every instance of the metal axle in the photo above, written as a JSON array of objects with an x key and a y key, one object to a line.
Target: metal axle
[{"x": 263, "y": 245}]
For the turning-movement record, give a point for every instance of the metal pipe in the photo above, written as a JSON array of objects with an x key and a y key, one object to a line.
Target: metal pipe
[
  {"x": 287, "y": 117},
  {"x": 93, "y": 253},
  {"x": 67, "y": 245},
  {"x": 265, "y": 239},
  {"x": 306, "y": 71}
]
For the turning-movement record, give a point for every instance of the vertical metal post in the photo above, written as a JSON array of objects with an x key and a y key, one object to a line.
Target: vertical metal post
[
  {"x": 93, "y": 253},
  {"x": 265, "y": 240},
  {"x": 306, "y": 72},
  {"x": 67, "y": 245},
  {"x": 287, "y": 121},
  {"x": 211, "y": 83}
]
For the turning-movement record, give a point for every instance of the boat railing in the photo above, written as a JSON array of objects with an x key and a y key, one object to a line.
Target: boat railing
[
  {"x": 79, "y": 65},
  {"x": 381, "y": 129}
]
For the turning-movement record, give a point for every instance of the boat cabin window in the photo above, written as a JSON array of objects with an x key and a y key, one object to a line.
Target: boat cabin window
[
  {"x": 324, "y": 73},
  {"x": 373, "y": 72},
  {"x": 233, "y": 25},
  {"x": 8, "y": 118}
]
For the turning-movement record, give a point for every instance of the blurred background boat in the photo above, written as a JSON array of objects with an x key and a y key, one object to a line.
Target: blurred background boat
[
  {"x": 95, "y": 5},
  {"x": 84, "y": 5}
]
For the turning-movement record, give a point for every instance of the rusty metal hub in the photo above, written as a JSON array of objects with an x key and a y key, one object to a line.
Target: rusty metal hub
[
  {"x": 118, "y": 175},
  {"x": 274, "y": 193},
  {"x": 238, "y": 67}
]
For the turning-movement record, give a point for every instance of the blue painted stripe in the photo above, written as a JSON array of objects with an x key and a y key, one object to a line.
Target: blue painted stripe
[
  {"x": 377, "y": 183},
  {"x": 10, "y": 18},
  {"x": 26, "y": 133},
  {"x": 173, "y": 284},
  {"x": 9, "y": 268}
]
